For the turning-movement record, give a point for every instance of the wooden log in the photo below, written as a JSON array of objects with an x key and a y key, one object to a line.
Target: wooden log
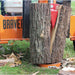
[
  {"x": 53, "y": 32},
  {"x": 40, "y": 33},
  {"x": 67, "y": 5},
  {"x": 59, "y": 42}
]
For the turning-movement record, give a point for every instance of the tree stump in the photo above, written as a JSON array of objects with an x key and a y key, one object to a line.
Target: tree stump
[
  {"x": 60, "y": 39},
  {"x": 40, "y": 33},
  {"x": 67, "y": 5},
  {"x": 59, "y": 42}
]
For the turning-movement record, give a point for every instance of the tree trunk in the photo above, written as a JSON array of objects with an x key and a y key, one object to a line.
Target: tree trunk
[
  {"x": 60, "y": 39},
  {"x": 59, "y": 42},
  {"x": 67, "y": 5},
  {"x": 40, "y": 33}
]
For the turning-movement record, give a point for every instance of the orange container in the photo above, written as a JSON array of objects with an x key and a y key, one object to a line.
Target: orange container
[
  {"x": 10, "y": 28},
  {"x": 43, "y": 1},
  {"x": 72, "y": 28},
  {"x": 56, "y": 65}
]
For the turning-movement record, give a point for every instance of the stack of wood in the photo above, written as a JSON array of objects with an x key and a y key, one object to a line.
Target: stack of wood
[{"x": 46, "y": 47}]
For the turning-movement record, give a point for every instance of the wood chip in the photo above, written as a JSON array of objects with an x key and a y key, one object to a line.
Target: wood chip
[{"x": 35, "y": 73}]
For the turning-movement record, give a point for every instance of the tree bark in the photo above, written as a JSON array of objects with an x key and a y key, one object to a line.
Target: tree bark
[
  {"x": 60, "y": 39},
  {"x": 67, "y": 5},
  {"x": 59, "y": 42},
  {"x": 40, "y": 33}
]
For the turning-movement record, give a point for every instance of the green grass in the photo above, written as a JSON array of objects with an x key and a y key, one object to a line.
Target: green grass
[
  {"x": 73, "y": 7},
  {"x": 25, "y": 68},
  {"x": 69, "y": 50},
  {"x": 17, "y": 47},
  {"x": 28, "y": 68}
]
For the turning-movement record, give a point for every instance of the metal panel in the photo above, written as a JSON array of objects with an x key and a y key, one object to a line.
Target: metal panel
[
  {"x": 72, "y": 28},
  {"x": 26, "y": 18}
]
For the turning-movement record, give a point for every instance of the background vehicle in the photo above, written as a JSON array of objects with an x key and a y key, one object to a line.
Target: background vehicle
[
  {"x": 11, "y": 21},
  {"x": 11, "y": 26},
  {"x": 14, "y": 19},
  {"x": 72, "y": 30}
]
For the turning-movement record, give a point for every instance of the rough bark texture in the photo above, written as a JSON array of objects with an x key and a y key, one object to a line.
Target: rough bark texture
[
  {"x": 67, "y": 14},
  {"x": 40, "y": 33},
  {"x": 59, "y": 43}
]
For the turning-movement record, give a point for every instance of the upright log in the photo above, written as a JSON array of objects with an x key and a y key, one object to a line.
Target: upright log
[
  {"x": 59, "y": 42},
  {"x": 67, "y": 5},
  {"x": 60, "y": 39},
  {"x": 40, "y": 33}
]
